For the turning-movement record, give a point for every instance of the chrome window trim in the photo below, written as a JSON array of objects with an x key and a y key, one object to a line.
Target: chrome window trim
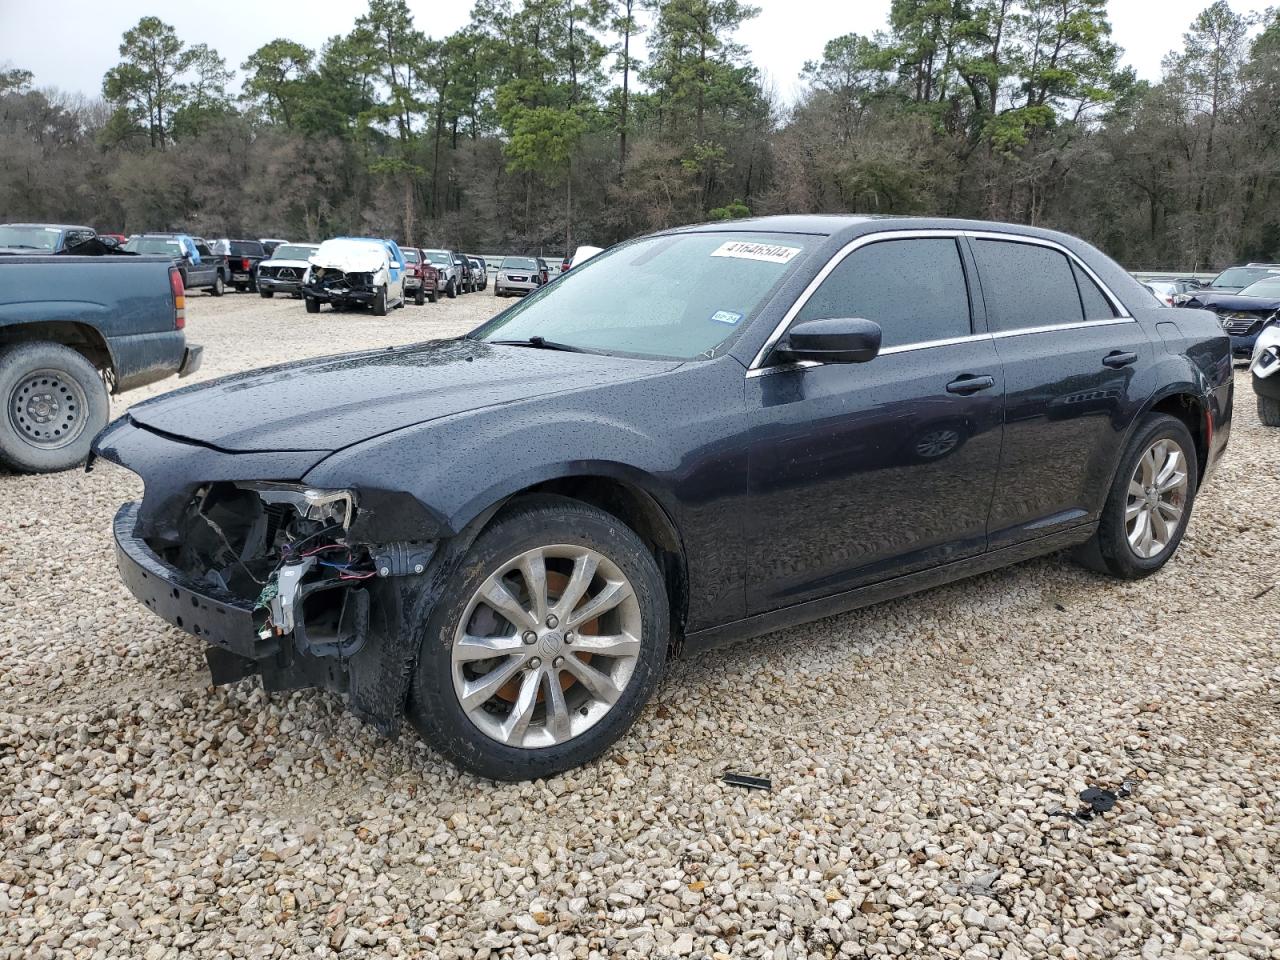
[{"x": 757, "y": 368}]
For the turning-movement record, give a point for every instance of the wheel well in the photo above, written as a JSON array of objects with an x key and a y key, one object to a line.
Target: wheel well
[
  {"x": 80, "y": 337},
  {"x": 1190, "y": 411},
  {"x": 646, "y": 517}
]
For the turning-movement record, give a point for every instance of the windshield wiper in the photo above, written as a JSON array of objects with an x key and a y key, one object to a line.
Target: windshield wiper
[{"x": 540, "y": 343}]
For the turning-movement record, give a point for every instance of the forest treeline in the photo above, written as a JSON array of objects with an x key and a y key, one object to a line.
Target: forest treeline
[{"x": 537, "y": 127}]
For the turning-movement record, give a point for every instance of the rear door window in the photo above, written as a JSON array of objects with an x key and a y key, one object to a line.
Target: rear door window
[
  {"x": 1026, "y": 285},
  {"x": 915, "y": 289},
  {"x": 1096, "y": 305}
]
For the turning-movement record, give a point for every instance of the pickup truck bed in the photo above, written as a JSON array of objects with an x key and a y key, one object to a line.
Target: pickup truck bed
[{"x": 73, "y": 329}]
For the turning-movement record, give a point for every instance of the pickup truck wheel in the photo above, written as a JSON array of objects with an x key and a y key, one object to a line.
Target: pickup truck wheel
[
  {"x": 419, "y": 297},
  {"x": 218, "y": 288},
  {"x": 55, "y": 404},
  {"x": 1150, "y": 502},
  {"x": 433, "y": 296},
  {"x": 1269, "y": 411},
  {"x": 451, "y": 290},
  {"x": 380, "y": 303},
  {"x": 266, "y": 294},
  {"x": 313, "y": 305},
  {"x": 545, "y": 644}
]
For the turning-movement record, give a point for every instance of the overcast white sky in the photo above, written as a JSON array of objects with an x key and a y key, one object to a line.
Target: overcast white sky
[{"x": 71, "y": 43}]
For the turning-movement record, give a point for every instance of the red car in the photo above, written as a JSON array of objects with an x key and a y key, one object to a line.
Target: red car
[{"x": 421, "y": 279}]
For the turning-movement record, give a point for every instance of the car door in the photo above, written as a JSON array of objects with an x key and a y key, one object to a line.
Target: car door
[
  {"x": 203, "y": 268},
  {"x": 1070, "y": 353},
  {"x": 862, "y": 472},
  {"x": 395, "y": 273}
]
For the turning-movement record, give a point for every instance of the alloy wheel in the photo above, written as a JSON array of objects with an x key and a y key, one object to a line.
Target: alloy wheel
[
  {"x": 1157, "y": 498},
  {"x": 546, "y": 646}
]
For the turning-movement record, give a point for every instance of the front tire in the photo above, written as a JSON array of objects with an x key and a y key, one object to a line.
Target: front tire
[
  {"x": 266, "y": 294},
  {"x": 1269, "y": 411},
  {"x": 55, "y": 403},
  {"x": 545, "y": 644},
  {"x": 313, "y": 305},
  {"x": 380, "y": 302},
  {"x": 451, "y": 290},
  {"x": 1150, "y": 502},
  {"x": 419, "y": 298}
]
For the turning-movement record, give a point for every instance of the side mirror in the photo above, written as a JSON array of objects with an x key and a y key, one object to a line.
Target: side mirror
[{"x": 834, "y": 340}]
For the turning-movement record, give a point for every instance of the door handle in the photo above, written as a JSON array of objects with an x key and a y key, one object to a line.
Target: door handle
[
  {"x": 968, "y": 384},
  {"x": 1117, "y": 359}
]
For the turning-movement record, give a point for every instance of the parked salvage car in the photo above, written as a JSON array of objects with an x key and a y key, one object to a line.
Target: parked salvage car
[
  {"x": 522, "y": 525},
  {"x": 466, "y": 280},
  {"x": 1242, "y": 313},
  {"x": 73, "y": 330},
  {"x": 449, "y": 270},
  {"x": 421, "y": 279},
  {"x": 355, "y": 271},
  {"x": 479, "y": 273},
  {"x": 516, "y": 275},
  {"x": 1264, "y": 370},
  {"x": 243, "y": 257},
  {"x": 38, "y": 238},
  {"x": 284, "y": 271},
  {"x": 199, "y": 266}
]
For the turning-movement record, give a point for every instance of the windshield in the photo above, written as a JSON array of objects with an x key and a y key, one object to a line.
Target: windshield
[
  {"x": 291, "y": 251},
  {"x": 247, "y": 248},
  {"x": 1242, "y": 276},
  {"x": 1263, "y": 288},
  {"x": 679, "y": 296},
  {"x": 440, "y": 257},
  {"x": 410, "y": 255},
  {"x": 518, "y": 263},
  {"x": 37, "y": 238},
  {"x": 170, "y": 248}
]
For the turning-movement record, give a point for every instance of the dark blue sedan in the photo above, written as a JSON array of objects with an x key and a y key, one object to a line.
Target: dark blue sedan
[{"x": 694, "y": 437}]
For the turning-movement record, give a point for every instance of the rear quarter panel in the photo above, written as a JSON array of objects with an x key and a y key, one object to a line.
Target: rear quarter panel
[{"x": 126, "y": 299}]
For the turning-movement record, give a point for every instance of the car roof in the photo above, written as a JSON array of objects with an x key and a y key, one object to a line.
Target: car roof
[
  {"x": 58, "y": 226},
  {"x": 849, "y": 226}
]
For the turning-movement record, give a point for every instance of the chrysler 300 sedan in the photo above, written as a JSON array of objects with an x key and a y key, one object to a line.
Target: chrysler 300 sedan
[{"x": 696, "y": 436}]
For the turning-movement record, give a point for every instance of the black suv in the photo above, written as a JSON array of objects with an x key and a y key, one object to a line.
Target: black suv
[{"x": 243, "y": 257}]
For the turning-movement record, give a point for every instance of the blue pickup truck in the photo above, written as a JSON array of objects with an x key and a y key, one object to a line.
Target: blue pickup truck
[{"x": 74, "y": 330}]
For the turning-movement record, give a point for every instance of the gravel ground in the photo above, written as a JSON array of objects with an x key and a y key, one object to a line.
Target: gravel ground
[{"x": 920, "y": 753}]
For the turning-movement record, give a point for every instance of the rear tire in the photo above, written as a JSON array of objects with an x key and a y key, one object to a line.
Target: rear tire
[
  {"x": 433, "y": 296},
  {"x": 1269, "y": 411},
  {"x": 313, "y": 305},
  {"x": 580, "y": 718},
  {"x": 218, "y": 288},
  {"x": 380, "y": 303},
  {"x": 55, "y": 403},
  {"x": 1111, "y": 549},
  {"x": 266, "y": 294}
]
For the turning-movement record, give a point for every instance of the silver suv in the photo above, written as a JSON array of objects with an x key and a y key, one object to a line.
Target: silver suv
[
  {"x": 517, "y": 275},
  {"x": 451, "y": 279}
]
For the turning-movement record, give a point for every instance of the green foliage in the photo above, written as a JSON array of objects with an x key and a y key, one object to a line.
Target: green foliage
[
  {"x": 537, "y": 123},
  {"x": 734, "y": 210}
]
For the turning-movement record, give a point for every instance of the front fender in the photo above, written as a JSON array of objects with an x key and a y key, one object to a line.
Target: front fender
[{"x": 459, "y": 468}]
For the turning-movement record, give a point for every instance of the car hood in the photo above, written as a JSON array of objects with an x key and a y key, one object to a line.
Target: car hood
[
  {"x": 333, "y": 402},
  {"x": 1233, "y": 301},
  {"x": 350, "y": 257}
]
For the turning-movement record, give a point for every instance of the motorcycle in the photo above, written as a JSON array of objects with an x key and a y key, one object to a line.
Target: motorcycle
[{"x": 1265, "y": 369}]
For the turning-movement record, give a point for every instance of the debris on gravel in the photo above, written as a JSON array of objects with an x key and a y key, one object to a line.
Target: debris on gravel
[{"x": 920, "y": 754}]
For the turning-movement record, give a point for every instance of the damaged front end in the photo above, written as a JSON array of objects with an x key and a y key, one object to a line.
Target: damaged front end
[
  {"x": 271, "y": 576},
  {"x": 339, "y": 286}
]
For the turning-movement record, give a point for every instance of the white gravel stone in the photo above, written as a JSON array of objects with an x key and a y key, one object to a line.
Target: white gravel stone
[{"x": 919, "y": 751}]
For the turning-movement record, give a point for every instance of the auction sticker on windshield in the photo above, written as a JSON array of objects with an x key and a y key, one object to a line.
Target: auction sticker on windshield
[
  {"x": 726, "y": 316},
  {"x": 745, "y": 250}
]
